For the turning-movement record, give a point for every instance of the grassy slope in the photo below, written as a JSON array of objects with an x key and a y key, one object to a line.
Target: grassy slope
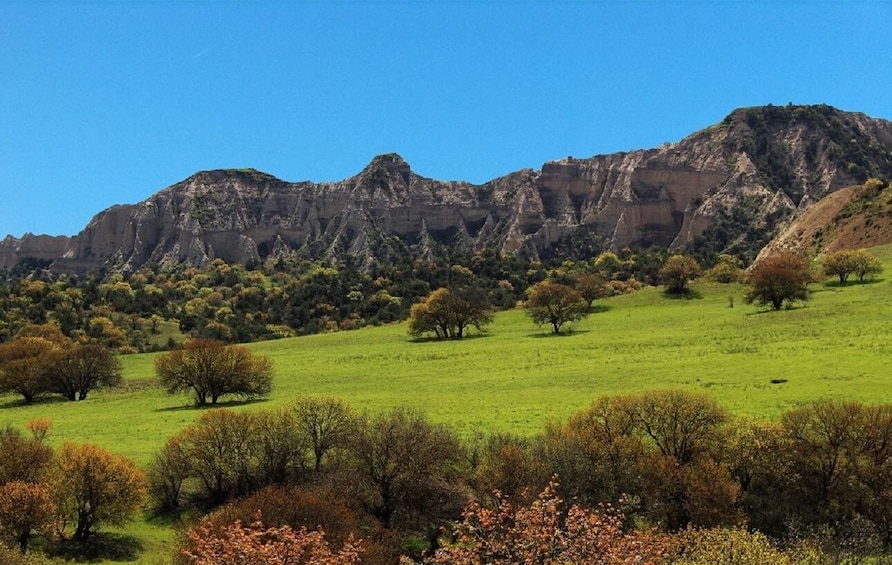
[{"x": 516, "y": 377}]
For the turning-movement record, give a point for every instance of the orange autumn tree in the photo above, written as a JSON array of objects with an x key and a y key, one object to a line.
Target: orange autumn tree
[
  {"x": 94, "y": 487},
  {"x": 259, "y": 545},
  {"x": 543, "y": 533},
  {"x": 24, "y": 509}
]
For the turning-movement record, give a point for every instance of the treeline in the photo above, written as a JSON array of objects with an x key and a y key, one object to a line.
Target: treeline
[
  {"x": 153, "y": 309},
  {"x": 669, "y": 460},
  {"x": 661, "y": 476}
]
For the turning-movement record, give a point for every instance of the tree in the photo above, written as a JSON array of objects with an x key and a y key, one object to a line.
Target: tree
[
  {"x": 14, "y": 557},
  {"x": 448, "y": 312},
  {"x": 590, "y": 286},
  {"x": 409, "y": 466},
  {"x": 839, "y": 264},
  {"x": 76, "y": 371},
  {"x": 222, "y": 449},
  {"x": 779, "y": 278},
  {"x": 555, "y": 304},
  {"x": 842, "y": 455},
  {"x": 544, "y": 533},
  {"x": 866, "y": 264},
  {"x": 24, "y": 459},
  {"x": 212, "y": 369},
  {"x": 23, "y": 364},
  {"x": 599, "y": 453},
  {"x": 167, "y": 472},
  {"x": 281, "y": 446},
  {"x": 326, "y": 422},
  {"x": 726, "y": 270},
  {"x": 260, "y": 545},
  {"x": 92, "y": 487},
  {"x": 677, "y": 271},
  {"x": 24, "y": 509}
]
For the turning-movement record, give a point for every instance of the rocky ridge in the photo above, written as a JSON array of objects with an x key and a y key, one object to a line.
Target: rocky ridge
[{"x": 729, "y": 187}]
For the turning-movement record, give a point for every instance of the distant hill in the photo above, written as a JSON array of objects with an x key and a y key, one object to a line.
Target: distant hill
[{"x": 728, "y": 188}]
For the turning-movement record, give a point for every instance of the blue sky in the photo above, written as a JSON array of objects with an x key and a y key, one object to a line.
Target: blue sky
[{"x": 105, "y": 103}]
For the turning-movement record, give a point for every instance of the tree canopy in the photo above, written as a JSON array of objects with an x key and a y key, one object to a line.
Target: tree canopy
[
  {"x": 211, "y": 369},
  {"x": 447, "y": 313},
  {"x": 555, "y": 304},
  {"x": 778, "y": 279},
  {"x": 93, "y": 487},
  {"x": 677, "y": 271}
]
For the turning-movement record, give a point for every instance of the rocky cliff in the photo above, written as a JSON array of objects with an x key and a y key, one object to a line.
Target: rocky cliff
[{"x": 726, "y": 188}]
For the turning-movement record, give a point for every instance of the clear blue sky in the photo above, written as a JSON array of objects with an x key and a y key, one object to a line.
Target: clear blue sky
[{"x": 106, "y": 103}]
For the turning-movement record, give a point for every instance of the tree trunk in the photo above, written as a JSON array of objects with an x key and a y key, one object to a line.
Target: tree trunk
[{"x": 82, "y": 531}]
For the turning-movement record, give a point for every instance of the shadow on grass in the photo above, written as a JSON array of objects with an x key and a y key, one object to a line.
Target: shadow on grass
[
  {"x": 169, "y": 517},
  {"x": 835, "y": 284},
  {"x": 224, "y": 404},
  {"x": 686, "y": 294},
  {"x": 563, "y": 333},
  {"x": 785, "y": 308},
  {"x": 434, "y": 339},
  {"x": 103, "y": 546},
  {"x": 16, "y": 402}
]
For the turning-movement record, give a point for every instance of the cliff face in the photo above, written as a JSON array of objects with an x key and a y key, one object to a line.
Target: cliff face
[{"x": 774, "y": 162}]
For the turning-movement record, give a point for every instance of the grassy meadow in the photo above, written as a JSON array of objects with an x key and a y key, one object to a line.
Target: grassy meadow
[{"x": 516, "y": 377}]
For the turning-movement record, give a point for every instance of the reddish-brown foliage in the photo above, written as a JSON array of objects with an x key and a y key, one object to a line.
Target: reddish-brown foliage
[
  {"x": 259, "y": 545},
  {"x": 24, "y": 508},
  {"x": 543, "y": 533}
]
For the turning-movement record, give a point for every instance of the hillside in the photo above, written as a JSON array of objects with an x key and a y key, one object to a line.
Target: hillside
[
  {"x": 851, "y": 218},
  {"x": 727, "y": 188}
]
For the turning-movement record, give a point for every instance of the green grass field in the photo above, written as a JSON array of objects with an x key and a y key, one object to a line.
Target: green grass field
[{"x": 516, "y": 377}]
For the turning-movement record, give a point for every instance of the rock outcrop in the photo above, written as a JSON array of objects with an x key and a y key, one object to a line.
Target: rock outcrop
[{"x": 728, "y": 187}]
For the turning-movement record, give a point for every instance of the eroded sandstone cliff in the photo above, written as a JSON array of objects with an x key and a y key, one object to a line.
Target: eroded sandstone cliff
[{"x": 728, "y": 187}]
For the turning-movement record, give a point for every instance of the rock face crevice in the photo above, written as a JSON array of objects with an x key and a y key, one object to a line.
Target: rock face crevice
[{"x": 778, "y": 161}]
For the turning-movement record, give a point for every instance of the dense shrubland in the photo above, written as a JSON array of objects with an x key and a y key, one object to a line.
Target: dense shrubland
[{"x": 673, "y": 466}]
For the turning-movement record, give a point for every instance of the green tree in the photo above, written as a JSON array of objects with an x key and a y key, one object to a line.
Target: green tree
[
  {"x": 839, "y": 264},
  {"x": 555, "y": 304},
  {"x": 447, "y": 313},
  {"x": 677, "y": 271},
  {"x": 223, "y": 454},
  {"x": 725, "y": 546},
  {"x": 212, "y": 369},
  {"x": 167, "y": 472},
  {"x": 866, "y": 264},
  {"x": 726, "y": 270},
  {"x": 778, "y": 279}
]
